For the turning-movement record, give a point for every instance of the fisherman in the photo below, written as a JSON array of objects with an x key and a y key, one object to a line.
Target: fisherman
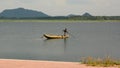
[{"x": 65, "y": 31}]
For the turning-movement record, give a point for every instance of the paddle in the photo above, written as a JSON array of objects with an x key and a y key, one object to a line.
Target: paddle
[{"x": 71, "y": 34}]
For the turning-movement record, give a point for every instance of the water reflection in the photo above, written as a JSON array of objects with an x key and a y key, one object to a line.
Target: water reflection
[
  {"x": 65, "y": 44},
  {"x": 57, "y": 43}
]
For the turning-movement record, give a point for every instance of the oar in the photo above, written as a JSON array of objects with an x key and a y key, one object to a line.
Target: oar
[{"x": 71, "y": 34}]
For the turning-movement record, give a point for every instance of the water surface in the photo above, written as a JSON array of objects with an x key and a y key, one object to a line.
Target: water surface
[{"x": 22, "y": 40}]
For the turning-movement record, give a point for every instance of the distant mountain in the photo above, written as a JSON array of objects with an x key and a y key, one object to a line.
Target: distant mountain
[
  {"x": 72, "y": 15},
  {"x": 86, "y": 14},
  {"x": 22, "y": 13}
]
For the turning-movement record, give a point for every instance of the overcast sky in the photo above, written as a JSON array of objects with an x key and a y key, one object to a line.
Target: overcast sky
[{"x": 66, "y": 7}]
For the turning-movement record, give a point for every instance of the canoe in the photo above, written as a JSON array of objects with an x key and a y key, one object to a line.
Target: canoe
[{"x": 48, "y": 36}]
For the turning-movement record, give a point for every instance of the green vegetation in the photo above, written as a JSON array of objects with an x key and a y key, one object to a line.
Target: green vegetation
[
  {"x": 105, "y": 62},
  {"x": 69, "y": 18},
  {"x": 95, "y": 18},
  {"x": 40, "y": 20}
]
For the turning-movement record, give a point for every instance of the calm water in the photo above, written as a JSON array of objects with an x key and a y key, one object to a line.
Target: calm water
[{"x": 23, "y": 40}]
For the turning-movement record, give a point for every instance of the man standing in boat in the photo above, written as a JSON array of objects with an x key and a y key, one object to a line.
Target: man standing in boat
[{"x": 65, "y": 31}]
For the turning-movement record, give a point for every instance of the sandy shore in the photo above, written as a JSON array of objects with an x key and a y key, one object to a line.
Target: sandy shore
[{"x": 9, "y": 63}]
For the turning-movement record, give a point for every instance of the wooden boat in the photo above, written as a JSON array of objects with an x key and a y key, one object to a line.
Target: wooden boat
[{"x": 48, "y": 36}]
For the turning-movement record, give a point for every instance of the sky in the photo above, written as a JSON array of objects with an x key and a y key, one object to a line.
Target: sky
[{"x": 66, "y": 7}]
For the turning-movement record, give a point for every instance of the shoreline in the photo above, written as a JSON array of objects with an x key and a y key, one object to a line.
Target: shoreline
[
  {"x": 16, "y": 63},
  {"x": 37, "y": 20}
]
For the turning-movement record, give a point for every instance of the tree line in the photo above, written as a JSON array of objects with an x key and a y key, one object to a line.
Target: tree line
[{"x": 70, "y": 18}]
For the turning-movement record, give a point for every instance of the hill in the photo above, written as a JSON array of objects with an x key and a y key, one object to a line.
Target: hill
[
  {"x": 86, "y": 14},
  {"x": 22, "y": 13}
]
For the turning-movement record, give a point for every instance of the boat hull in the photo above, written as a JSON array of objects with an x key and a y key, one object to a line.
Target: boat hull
[{"x": 55, "y": 36}]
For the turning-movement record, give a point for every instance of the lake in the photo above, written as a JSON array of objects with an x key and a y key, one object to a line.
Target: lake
[{"x": 23, "y": 40}]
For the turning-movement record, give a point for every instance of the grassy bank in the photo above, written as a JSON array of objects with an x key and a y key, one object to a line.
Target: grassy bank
[
  {"x": 104, "y": 62},
  {"x": 37, "y": 20}
]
